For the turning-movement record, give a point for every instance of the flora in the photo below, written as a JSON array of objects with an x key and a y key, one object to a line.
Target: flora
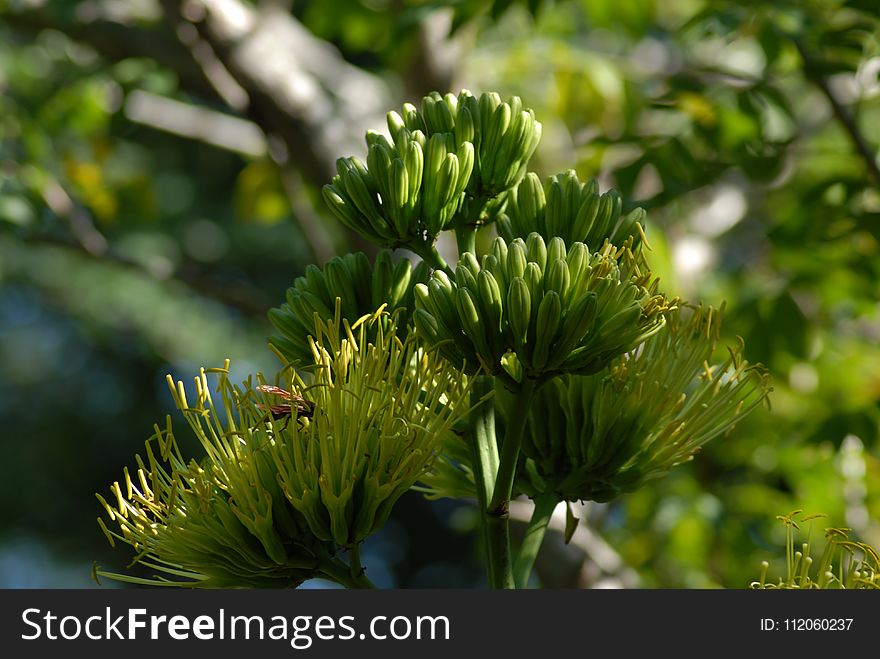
[
  {"x": 844, "y": 563},
  {"x": 549, "y": 365}
]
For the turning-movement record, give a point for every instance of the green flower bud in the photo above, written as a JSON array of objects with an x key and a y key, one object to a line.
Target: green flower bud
[
  {"x": 649, "y": 411},
  {"x": 506, "y": 139},
  {"x": 571, "y": 210},
  {"x": 355, "y": 285},
  {"x": 453, "y": 161},
  {"x": 532, "y": 306},
  {"x": 598, "y": 436}
]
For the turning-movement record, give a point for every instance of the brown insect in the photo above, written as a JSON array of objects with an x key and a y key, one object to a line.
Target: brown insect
[{"x": 296, "y": 405}]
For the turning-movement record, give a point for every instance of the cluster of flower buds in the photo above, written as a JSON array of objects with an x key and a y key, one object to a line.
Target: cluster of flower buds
[
  {"x": 414, "y": 185},
  {"x": 597, "y": 437},
  {"x": 382, "y": 410},
  {"x": 504, "y": 135},
  {"x": 360, "y": 288},
  {"x": 555, "y": 309},
  {"x": 566, "y": 208},
  {"x": 289, "y": 475},
  {"x": 614, "y": 382},
  {"x": 221, "y": 522}
]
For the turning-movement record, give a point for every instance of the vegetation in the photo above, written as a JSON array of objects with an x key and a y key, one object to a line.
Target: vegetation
[{"x": 160, "y": 190}]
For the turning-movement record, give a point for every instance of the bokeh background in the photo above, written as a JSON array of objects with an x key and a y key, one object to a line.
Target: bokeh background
[{"x": 160, "y": 173}]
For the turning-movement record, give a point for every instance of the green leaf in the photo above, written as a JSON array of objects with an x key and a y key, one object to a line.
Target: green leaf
[{"x": 571, "y": 522}]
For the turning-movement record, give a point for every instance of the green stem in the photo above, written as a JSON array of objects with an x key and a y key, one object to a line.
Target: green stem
[
  {"x": 498, "y": 511},
  {"x": 466, "y": 239},
  {"x": 344, "y": 574},
  {"x": 498, "y": 544},
  {"x": 354, "y": 559},
  {"x": 466, "y": 223},
  {"x": 545, "y": 504},
  {"x": 430, "y": 255},
  {"x": 485, "y": 451},
  {"x": 513, "y": 435},
  {"x": 483, "y": 420}
]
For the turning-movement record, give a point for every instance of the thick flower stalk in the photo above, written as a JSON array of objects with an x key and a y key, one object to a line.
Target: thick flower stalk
[
  {"x": 533, "y": 310},
  {"x": 289, "y": 475},
  {"x": 360, "y": 287}
]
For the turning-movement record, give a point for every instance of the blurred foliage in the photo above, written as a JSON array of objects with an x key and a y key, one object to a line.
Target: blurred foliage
[{"x": 749, "y": 130}]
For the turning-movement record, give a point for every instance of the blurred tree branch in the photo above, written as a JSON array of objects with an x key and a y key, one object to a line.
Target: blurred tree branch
[
  {"x": 259, "y": 62},
  {"x": 813, "y": 73},
  {"x": 82, "y": 227},
  {"x": 245, "y": 299},
  {"x": 299, "y": 88},
  {"x": 435, "y": 60},
  {"x": 195, "y": 122},
  {"x": 117, "y": 37}
]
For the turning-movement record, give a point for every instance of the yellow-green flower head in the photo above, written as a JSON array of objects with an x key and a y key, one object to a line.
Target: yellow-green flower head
[
  {"x": 596, "y": 437},
  {"x": 360, "y": 288},
  {"x": 382, "y": 412},
  {"x": 571, "y": 210},
  {"x": 219, "y": 522},
  {"x": 844, "y": 564},
  {"x": 457, "y": 155},
  {"x": 536, "y": 309},
  {"x": 289, "y": 474}
]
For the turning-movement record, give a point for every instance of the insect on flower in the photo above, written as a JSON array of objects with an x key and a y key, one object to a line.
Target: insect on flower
[{"x": 296, "y": 405}]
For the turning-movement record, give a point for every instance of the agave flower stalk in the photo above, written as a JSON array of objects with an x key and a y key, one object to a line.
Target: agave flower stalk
[
  {"x": 601, "y": 381},
  {"x": 531, "y": 311},
  {"x": 277, "y": 493}
]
